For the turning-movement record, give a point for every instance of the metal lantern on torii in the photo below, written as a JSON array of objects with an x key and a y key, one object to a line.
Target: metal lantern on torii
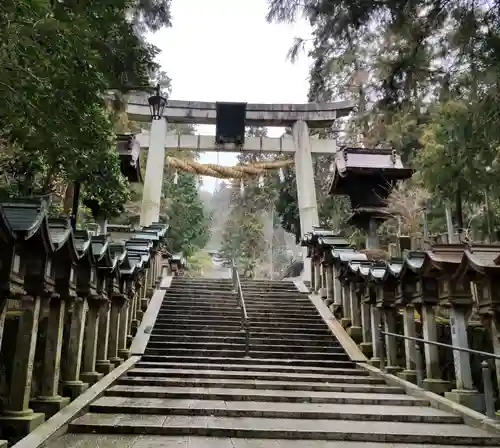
[{"x": 367, "y": 176}]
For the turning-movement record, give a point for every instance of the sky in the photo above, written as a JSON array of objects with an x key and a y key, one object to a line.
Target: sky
[{"x": 224, "y": 50}]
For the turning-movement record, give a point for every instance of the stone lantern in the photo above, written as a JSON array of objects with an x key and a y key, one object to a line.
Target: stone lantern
[
  {"x": 105, "y": 267},
  {"x": 142, "y": 248},
  {"x": 481, "y": 265},
  {"x": 367, "y": 176},
  {"x": 87, "y": 306},
  {"x": 385, "y": 283},
  {"x": 129, "y": 151},
  {"x": 31, "y": 279},
  {"x": 62, "y": 269}
]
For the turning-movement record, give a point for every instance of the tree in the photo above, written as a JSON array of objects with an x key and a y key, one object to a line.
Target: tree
[
  {"x": 428, "y": 87},
  {"x": 189, "y": 228},
  {"x": 55, "y": 121}
]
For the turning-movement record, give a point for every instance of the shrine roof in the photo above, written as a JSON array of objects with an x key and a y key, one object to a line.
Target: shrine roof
[
  {"x": 5, "y": 228},
  {"x": 365, "y": 162},
  {"x": 59, "y": 230},
  {"x": 25, "y": 216},
  {"x": 344, "y": 255},
  {"x": 82, "y": 241}
]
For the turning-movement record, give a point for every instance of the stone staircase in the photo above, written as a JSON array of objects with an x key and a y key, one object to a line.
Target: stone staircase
[{"x": 195, "y": 388}]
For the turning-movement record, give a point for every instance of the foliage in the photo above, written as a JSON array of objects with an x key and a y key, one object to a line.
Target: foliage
[
  {"x": 424, "y": 78},
  {"x": 55, "y": 122},
  {"x": 189, "y": 228},
  {"x": 199, "y": 263}
]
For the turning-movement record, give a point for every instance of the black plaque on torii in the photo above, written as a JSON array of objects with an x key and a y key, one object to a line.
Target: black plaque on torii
[{"x": 230, "y": 123}]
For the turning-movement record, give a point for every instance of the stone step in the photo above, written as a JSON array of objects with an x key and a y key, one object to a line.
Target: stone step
[
  {"x": 214, "y": 320},
  {"x": 240, "y": 345},
  {"x": 272, "y": 428},
  {"x": 258, "y": 384},
  {"x": 229, "y": 302},
  {"x": 75, "y": 440},
  {"x": 415, "y": 414},
  {"x": 289, "y": 396},
  {"x": 221, "y": 323},
  {"x": 261, "y": 368},
  {"x": 299, "y": 333},
  {"x": 239, "y": 337},
  {"x": 170, "y": 307},
  {"x": 174, "y": 371},
  {"x": 254, "y": 361},
  {"x": 240, "y": 351}
]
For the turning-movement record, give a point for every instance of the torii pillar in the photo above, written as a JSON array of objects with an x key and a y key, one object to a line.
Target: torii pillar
[
  {"x": 153, "y": 182},
  {"x": 306, "y": 189}
]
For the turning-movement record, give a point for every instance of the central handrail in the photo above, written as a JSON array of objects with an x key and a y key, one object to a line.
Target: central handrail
[{"x": 245, "y": 327}]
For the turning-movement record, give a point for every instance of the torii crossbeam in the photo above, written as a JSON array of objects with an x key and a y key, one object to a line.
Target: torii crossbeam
[{"x": 300, "y": 117}]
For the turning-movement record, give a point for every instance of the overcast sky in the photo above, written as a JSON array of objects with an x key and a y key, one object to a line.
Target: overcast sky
[{"x": 224, "y": 50}]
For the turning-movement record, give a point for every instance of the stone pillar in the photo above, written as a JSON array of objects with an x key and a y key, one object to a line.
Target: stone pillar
[
  {"x": 123, "y": 352},
  {"x": 72, "y": 386},
  {"x": 375, "y": 322},
  {"x": 337, "y": 289},
  {"x": 153, "y": 182},
  {"x": 346, "y": 305},
  {"x": 329, "y": 285},
  {"x": 130, "y": 316},
  {"x": 366, "y": 346},
  {"x": 114, "y": 331},
  {"x": 135, "y": 321},
  {"x": 18, "y": 417},
  {"x": 495, "y": 336},
  {"x": 306, "y": 189},
  {"x": 3, "y": 315},
  {"x": 409, "y": 373},
  {"x": 312, "y": 274},
  {"x": 433, "y": 381},
  {"x": 50, "y": 402},
  {"x": 322, "y": 291},
  {"x": 355, "y": 329},
  {"x": 465, "y": 393},
  {"x": 317, "y": 276},
  {"x": 89, "y": 374},
  {"x": 103, "y": 365},
  {"x": 391, "y": 342}
]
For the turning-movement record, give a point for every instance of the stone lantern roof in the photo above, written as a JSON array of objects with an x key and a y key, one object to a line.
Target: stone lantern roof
[{"x": 129, "y": 150}]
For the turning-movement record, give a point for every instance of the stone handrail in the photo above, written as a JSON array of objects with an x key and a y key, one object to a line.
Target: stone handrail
[
  {"x": 412, "y": 295},
  {"x": 70, "y": 306}
]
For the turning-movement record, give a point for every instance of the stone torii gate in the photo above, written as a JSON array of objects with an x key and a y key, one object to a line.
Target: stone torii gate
[{"x": 300, "y": 117}]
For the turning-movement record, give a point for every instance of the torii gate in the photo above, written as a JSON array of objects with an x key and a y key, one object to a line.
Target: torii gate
[{"x": 300, "y": 117}]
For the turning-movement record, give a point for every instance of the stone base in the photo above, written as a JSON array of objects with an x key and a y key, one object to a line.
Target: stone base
[
  {"x": 436, "y": 386},
  {"x": 408, "y": 375},
  {"x": 134, "y": 325},
  {"x": 130, "y": 338},
  {"x": 91, "y": 377},
  {"x": 470, "y": 398},
  {"x": 328, "y": 301},
  {"x": 345, "y": 322},
  {"x": 355, "y": 333},
  {"x": 104, "y": 366},
  {"x": 150, "y": 291},
  {"x": 139, "y": 314},
  {"x": 73, "y": 389},
  {"x": 49, "y": 405},
  {"x": 144, "y": 303},
  {"x": 15, "y": 427},
  {"x": 367, "y": 349},
  {"x": 393, "y": 370},
  {"x": 124, "y": 354},
  {"x": 116, "y": 361},
  {"x": 375, "y": 362}
]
